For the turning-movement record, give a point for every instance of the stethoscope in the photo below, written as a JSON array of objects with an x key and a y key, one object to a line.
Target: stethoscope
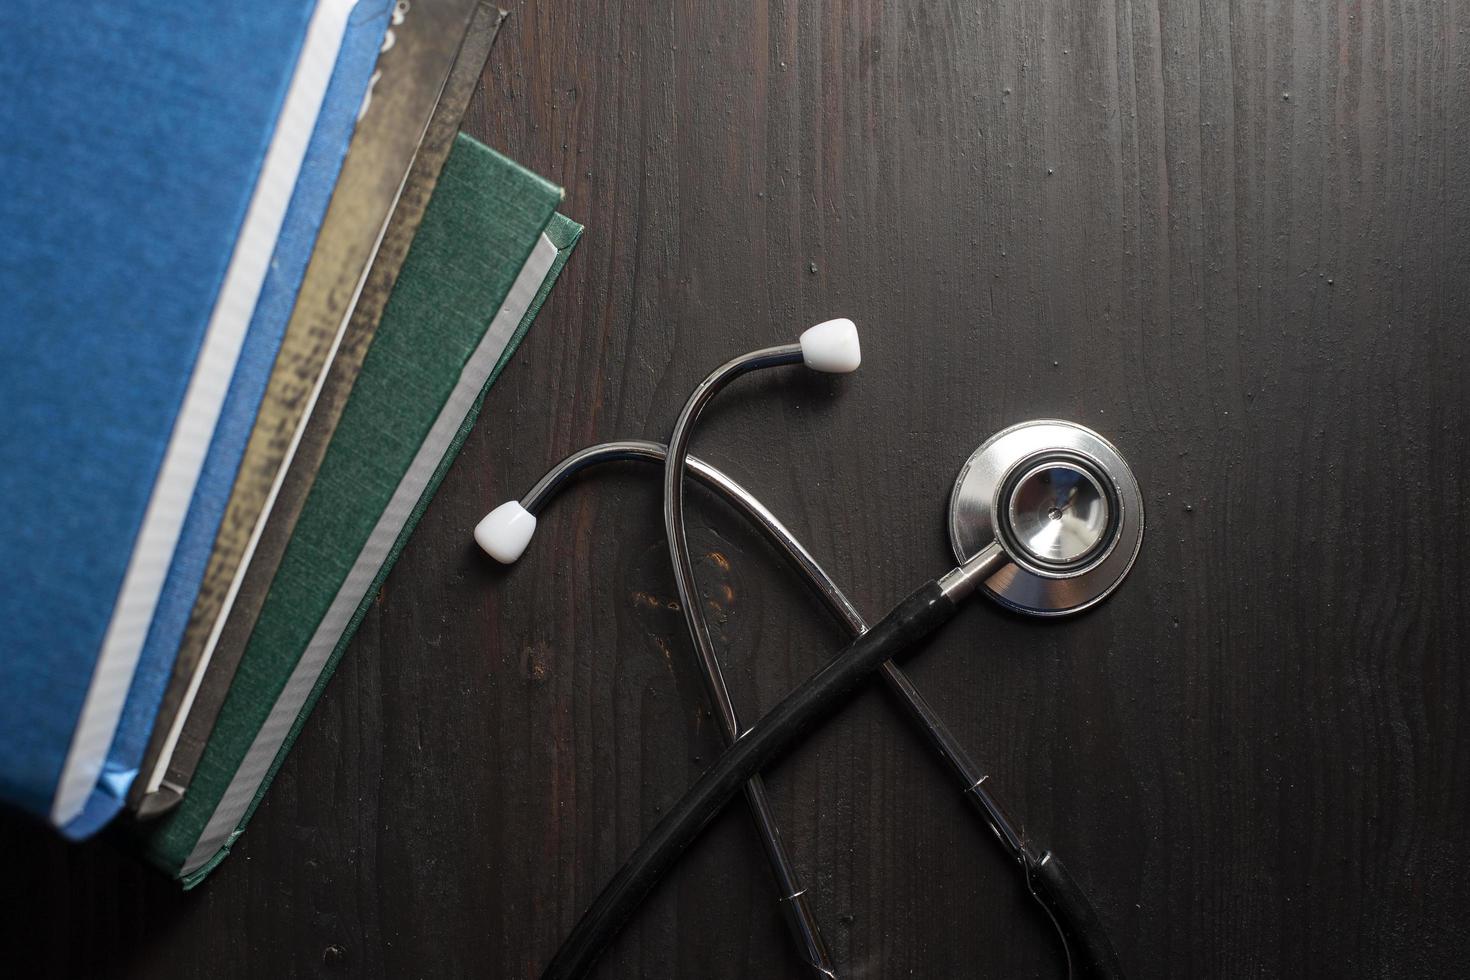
[{"x": 1046, "y": 517}]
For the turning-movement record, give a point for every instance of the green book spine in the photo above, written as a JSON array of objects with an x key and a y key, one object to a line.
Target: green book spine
[
  {"x": 481, "y": 249},
  {"x": 564, "y": 233}
]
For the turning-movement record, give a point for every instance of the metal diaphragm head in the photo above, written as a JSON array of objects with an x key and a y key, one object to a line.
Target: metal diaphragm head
[{"x": 1064, "y": 506}]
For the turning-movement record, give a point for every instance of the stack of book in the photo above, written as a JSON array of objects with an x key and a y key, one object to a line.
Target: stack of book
[{"x": 254, "y": 287}]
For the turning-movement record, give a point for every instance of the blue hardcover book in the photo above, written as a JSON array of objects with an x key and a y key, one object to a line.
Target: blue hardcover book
[
  {"x": 149, "y": 156},
  {"x": 366, "y": 27}
]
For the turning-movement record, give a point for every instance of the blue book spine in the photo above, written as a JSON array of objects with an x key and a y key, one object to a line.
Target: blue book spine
[{"x": 127, "y": 170}]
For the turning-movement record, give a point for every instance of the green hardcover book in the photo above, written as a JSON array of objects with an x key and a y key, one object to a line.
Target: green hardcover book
[{"x": 486, "y": 255}]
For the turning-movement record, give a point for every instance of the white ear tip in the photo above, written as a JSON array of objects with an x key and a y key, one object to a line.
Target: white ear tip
[
  {"x": 832, "y": 347},
  {"x": 505, "y": 531}
]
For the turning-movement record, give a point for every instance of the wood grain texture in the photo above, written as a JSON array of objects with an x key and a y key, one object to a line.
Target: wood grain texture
[{"x": 1233, "y": 237}]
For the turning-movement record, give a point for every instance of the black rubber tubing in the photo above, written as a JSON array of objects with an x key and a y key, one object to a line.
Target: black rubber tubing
[
  {"x": 910, "y": 621},
  {"x": 1090, "y": 953}
]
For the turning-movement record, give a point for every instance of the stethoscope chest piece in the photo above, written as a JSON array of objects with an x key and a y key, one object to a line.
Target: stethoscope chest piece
[{"x": 1064, "y": 506}]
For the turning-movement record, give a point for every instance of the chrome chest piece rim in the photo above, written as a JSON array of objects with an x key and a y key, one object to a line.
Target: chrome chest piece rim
[{"x": 1070, "y": 515}]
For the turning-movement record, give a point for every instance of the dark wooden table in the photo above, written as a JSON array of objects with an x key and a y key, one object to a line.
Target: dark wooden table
[{"x": 1235, "y": 238}]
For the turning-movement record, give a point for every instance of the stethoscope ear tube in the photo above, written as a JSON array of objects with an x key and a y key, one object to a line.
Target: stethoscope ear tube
[
  {"x": 912, "y": 620},
  {"x": 1090, "y": 953}
]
